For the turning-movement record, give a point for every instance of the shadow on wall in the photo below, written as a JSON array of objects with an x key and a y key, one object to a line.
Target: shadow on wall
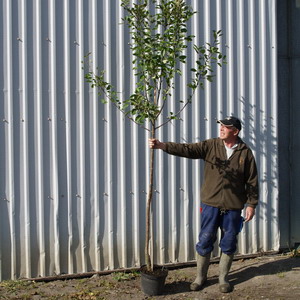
[{"x": 261, "y": 136}]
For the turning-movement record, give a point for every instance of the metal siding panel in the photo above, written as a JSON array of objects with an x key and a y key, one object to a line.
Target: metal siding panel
[
  {"x": 122, "y": 139},
  {"x": 68, "y": 134},
  {"x": 109, "y": 191},
  {"x": 8, "y": 259},
  {"x": 241, "y": 46},
  {"x": 90, "y": 164},
  {"x": 251, "y": 124},
  {"x": 38, "y": 132},
  {"x": 229, "y": 44},
  {"x": 273, "y": 165},
  {"x": 54, "y": 177},
  {"x": 95, "y": 193},
  {"x": 196, "y": 172},
  {"x": 82, "y": 138},
  {"x": 24, "y": 162}
]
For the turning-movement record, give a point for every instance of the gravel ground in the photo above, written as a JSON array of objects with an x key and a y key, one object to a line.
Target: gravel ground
[{"x": 266, "y": 277}]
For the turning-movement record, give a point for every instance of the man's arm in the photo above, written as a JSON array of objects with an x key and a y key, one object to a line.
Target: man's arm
[{"x": 187, "y": 150}]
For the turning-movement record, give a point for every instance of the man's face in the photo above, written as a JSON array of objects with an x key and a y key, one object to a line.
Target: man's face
[{"x": 227, "y": 132}]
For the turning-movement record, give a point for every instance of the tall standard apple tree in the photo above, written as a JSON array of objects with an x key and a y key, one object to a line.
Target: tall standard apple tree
[{"x": 158, "y": 43}]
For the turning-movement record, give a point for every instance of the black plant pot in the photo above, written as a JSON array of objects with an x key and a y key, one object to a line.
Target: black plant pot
[{"x": 152, "y": 283}]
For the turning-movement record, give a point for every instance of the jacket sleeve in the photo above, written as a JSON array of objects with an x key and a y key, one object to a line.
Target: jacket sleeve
[
  {"x": 194, "y": 150},
  {"x": 251, "y": 180}
]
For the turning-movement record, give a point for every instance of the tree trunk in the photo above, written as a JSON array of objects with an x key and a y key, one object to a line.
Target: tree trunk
[{"x": 148, "y": 207}]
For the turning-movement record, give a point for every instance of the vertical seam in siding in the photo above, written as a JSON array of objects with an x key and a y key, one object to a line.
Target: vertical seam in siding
[
  {"x": 95, "y": 142},
  {"x": 241, "y": 84},
  {"x": 108, "y": 132},
  {"x": 68, "y": 132},
  {"x": 263, "y": 116},
  {"x": 81, "y": 145},
  {"x": 219, "y": 78},
  {"x": 24, "y": 137},
  {"x": 172, "y": 188},
  {"x": 196, "y": 132},
  {"x": 230, "y": 66},
  {"x": 39, "y": 142},
  {"x": 122, "y": 150},
  {"x": 10, "y": 144},
  {"x": 274, "y": 113},
  {"x": 136, "y": 176},
  {"x": 207, "y": 85},
  {"x": 252, "y": 93},
  {"x": 184, "y": 194},
  {"x": 53, "y": 135}
]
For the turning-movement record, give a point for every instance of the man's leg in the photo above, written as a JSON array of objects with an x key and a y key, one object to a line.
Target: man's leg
[
  {"x": 207, "y": 237},
  {"x": 202, "y": 268},
  {"x": 230, "y": 227}
]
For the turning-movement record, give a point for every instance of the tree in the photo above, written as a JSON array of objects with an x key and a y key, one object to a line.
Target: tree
[{"x": 159, "y": 41}]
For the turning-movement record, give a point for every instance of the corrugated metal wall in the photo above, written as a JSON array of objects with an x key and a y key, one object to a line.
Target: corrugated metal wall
[{"x": 74, "y": 174}]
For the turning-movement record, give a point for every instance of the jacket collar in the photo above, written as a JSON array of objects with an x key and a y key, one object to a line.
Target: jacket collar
[{"x": 241, "y": 144}]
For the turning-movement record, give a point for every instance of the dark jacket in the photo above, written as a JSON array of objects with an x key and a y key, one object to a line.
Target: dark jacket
[{"x": 228, "y": 183}]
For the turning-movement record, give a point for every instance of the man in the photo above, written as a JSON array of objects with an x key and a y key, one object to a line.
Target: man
[{"x": 230, "y": 183}]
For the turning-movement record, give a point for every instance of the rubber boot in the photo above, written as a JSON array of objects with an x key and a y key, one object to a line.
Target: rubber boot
[
  {"x": 224, "y": 266},
  {"x": 202, "y": 268}
]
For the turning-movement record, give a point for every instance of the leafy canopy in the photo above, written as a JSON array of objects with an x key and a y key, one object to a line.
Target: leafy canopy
[{"x": 159, "y": 38}]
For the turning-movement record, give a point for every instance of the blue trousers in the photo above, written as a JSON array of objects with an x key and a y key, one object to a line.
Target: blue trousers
[{"x": 212, "y": 218}]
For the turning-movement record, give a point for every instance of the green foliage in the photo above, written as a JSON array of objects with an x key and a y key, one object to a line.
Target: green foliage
[
  {"x": 159, "y": 42},
  {"x": 123, "y": 276},
  {"x": 14, "y": 285}
]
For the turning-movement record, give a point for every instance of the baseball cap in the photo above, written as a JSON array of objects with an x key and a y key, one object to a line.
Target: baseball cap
[{"x": 231, "y": 121}]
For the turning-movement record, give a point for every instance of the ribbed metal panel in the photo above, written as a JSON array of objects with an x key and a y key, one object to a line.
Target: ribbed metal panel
[{"x": 74, "y": 171}]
